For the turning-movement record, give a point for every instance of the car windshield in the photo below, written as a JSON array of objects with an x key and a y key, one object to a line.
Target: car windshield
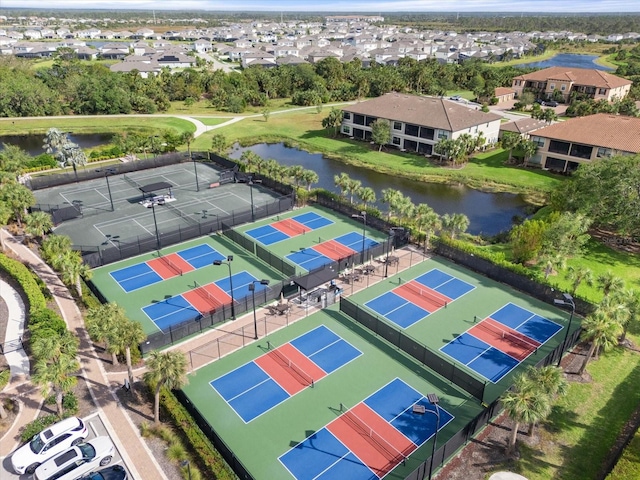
[
  {"x": 36, "y": 444},
  {"x": 87, "y": 450}
]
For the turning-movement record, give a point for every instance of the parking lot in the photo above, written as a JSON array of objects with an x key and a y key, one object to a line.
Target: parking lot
[{"x": 96, "y": 429}]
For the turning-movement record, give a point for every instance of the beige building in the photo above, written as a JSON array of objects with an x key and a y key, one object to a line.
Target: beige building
[
  {"x": 565, "y": 145},
  {"x": 594, "y": 84},
  {"x": 418, "y": 123}
]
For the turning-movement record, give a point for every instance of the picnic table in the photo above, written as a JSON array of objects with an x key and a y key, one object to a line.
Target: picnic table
[
  {"x": 392, "y": 260},
  {"x": 279, "y": 309}
]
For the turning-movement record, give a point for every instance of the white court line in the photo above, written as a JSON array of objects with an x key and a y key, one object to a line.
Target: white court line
[{"x": 142, "y": 226}]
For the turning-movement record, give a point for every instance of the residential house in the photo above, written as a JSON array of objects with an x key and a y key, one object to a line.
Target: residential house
[
  {"x": 523, "y": 127},
  {"x": 563, "y": 146},
  {"x": 202, "y": 46},
  {"x": 144, "y": 69},
  {"x": 504, "y": 94},
  {"x": 419, "y": 123},
  {"x": 591, "y": 83}
]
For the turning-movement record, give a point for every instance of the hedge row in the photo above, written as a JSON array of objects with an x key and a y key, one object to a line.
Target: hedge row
[
  {"x": 25, "y": 278},
  {"x": 209, "y": 456}
]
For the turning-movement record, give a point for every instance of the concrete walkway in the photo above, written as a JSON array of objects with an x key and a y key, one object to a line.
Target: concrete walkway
[
  {"x": 124, "y": 433},
  {"x": 13, "y": 351}
]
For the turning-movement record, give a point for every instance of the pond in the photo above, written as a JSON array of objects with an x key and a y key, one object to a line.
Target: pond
[
  {"x": 568, "y": 60},
  {"x": 32, "y": 144},
  {"x": 489, "y": 213}
]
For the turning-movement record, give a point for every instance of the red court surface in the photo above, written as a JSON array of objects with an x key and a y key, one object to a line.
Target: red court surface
[
  {"x": 170, "y": 265},
  {"x": 381, "y": 450},
  {"x": 422, "y": 296},
  {"x": 291, "y": 227},
  {"x": 334, "y": 250},
  {"x": 505, "y": 339},
  {"x": 207, "y": 298},
  {"x": 300, "y": 375}
]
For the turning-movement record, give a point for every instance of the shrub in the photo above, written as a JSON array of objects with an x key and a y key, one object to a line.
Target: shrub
[
  {"x": 38, "y": 425},
  {"x": 26, "y": 279},
  {"x": 4, "y": 377}
]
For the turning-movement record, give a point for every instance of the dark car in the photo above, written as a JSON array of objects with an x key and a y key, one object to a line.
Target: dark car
[
  {"x": 550, "y": 103},
  {"x": 540, "y": 101},
  {"x": 115, "y": 472}
]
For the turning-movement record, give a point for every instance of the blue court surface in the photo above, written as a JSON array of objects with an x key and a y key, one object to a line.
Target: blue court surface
[
  {"x": 142, "y": 275},
  {"x": 353, "y": 240},
  {"x": 268, "y": 234},
  {"x": 309, "y": 259},
  {"x": 404, "y": 313},
  {"x": 489, "y": 361},
  {"x": 241, "y": 282},
  {"x": 251, "y": 392},
  {"x": 323, "y": 456},
  {"x": 170, "y": 311}
]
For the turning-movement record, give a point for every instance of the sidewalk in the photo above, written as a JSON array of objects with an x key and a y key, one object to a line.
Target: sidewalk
[{"x": 125, "y": 434}]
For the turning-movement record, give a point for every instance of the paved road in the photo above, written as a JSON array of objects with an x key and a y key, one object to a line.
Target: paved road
[{"x": 96, "y": 428}]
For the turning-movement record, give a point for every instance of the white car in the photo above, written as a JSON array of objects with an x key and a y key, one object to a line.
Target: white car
[
  {"x": 48, "y": 443},
  {"x": 77, "y": 461}
]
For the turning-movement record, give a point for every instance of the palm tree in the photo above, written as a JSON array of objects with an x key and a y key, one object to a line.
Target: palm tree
[
  {"x": 131, "y": 335},
  {"x": 352, "y": 188},
  {"x": 602, "y": 331},
  {"x": 187, "y": 138},
  {"x": 52, "y": 347},
  {"x": 259, "y": 164},
  {"x": 56, "y": 376},
  {"x": 579, "y": 275},
  {"x": 296, "y": 172},
  {"x": 271, "y": 167},
  {"x": 630, "y": 298},
  {"x": 553, "y": 262},
  {"x": 38, "y": 224},
  {"x": 609, "y": 282},
  {"x": 405, "y": 208},
  {"x": 367, "y": 196},
  {"x": 219, "y": 144},
  {"x": 165, "y": 369},
  {"x": 248, "y": 159},
  {"x": 17, "y": 198},
  {"x": 391, "y": 197},
  {"x": 455, "y": 224},
  {"x": 73, "y": 269},
  {"x": 104, "y": 326},
  {"x": 342, "y": 181},
  {"x": 510, "y": 140},
  {"x": 428, "y": 221},
  {"x": 54, "y": 247},
  {"x": 524, "y": 404},
  {"x": 309, "y": 177},
  {"x": 529, "y": 149}
]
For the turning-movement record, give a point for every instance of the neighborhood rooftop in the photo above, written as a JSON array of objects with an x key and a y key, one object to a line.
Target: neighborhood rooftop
[
  {"x": 433, "y": 111},
  {"x": 582, "y": 76}
]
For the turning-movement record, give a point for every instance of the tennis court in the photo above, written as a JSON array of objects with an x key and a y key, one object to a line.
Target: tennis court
[
  {"x": 497, "y": 344},
  {"x": 163, "y": 267},
  {"x": 368, "y": 440},
  {"x": 414, "y": 300},
  {"x": 289, "y": 227},
  {"x": 258, "y": 386},
  {"x": 356, "y": 422}
]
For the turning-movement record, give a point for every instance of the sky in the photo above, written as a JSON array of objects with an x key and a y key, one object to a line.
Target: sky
[{"x": 373, "y": 6}]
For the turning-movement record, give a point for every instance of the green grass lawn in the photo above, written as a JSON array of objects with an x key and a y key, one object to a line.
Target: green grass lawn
[
  {"x": 583, "y": 426},
  {"x": 628, "y": 467}
]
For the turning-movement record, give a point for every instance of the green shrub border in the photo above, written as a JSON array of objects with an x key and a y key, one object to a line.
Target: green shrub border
[
  {"x": 202, "y": 446},
  {"x": 25, "y": 278}
]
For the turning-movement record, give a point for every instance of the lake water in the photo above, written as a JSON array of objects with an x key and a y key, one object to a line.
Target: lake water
[
  {"x": 32, "y": 144},
  {"x": 489, "y": 213},
  {"x": 568, "y": 60}
]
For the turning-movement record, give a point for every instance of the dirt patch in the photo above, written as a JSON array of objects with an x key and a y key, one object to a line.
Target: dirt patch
[{"x": 616, "y": 242}]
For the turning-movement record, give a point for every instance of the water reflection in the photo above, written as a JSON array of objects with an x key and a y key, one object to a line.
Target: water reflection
[
  {"x": 32, "y": 144},
  {"x": 488, "y": 213}
]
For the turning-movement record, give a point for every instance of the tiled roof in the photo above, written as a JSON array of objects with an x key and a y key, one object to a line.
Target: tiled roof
[
  {"x": 434, "y": 112},
  {"x": 581, "y": 76},
  {"x": 524, "y": 125},
  {"x": 602, "y": 130},
  {"x": 504, "y": 91}
]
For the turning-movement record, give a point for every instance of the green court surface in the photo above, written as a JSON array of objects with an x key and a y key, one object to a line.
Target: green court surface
[
  {"x": 341, "y": 225},
  {"x": 445, "y": 324},
  {"x": 133, "y": 301},
  {"x": 129, "y": 221},
  {"x": 260, "y": 442}
]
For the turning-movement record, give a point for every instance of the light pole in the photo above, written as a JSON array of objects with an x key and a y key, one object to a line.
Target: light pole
[
  {"x": 155, "y": 224},
  {"x": 250, "y": 183},
  {"x": 228, "y": 263},
  {"x": 392, "y": 234},
  {"x": 567, "y": 302},
  {"x": 421, "y": 410},
  {"x": 363, "y": 217},
  {"x": 185, "y": 463},
  {"x": 107, "y": 172},
  {"x": 195, "y": 169},
  {"x": 252, "y": 287}
]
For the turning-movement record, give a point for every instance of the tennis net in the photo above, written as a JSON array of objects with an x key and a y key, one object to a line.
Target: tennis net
[
  {"x": 425, "y": 293},
  {"x": 300, "y": 373},
  {"x": 338, "y": 248},
  {"x": 131, "y": 182},
  {"x": 181, "y": 214},
  {"x": 200, "y": 290},
  {"x": 295, "y": 226},
  {"x": 509, "y": 336},
  {"x": 177, "y": 270},
  {"x": 391, "y": 453}
]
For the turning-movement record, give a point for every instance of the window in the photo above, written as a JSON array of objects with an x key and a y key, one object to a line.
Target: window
[
  {"x": 411, "y": 130},
  {"x": 604, "y": 152},
  {"x": 563, "y": 87},
  {"x": 346, "y": 115},
  {"x": 397, "y": 125},
  {"x": 442, "y": 135},
  {"x": 396, "y": 140},
  {"x": 539, "y": 141},
  {"x": 552, "y": 86},
  {"x": 346, "y": 129},
  {"x": 581, "y": 151},
  {"x": 557, "y": 146},
  {"x": 358, "y": 119},
  {"x": 602, "y": 91}
]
